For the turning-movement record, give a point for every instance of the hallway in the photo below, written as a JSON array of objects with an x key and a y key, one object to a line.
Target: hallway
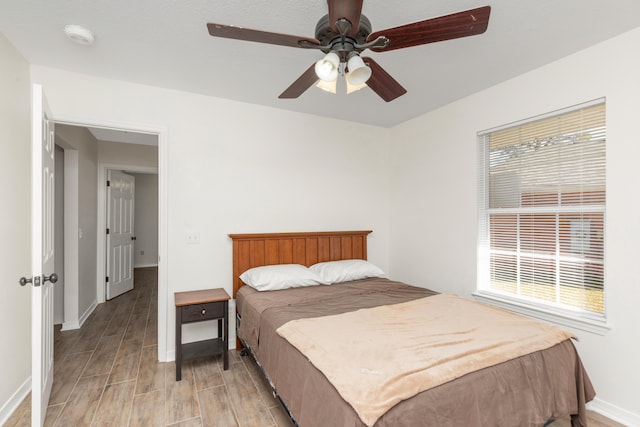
[{"x": 107, "y": 374}]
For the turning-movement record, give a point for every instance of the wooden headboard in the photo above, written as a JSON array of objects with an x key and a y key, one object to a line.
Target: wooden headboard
[{"x": 307, "y": 248}]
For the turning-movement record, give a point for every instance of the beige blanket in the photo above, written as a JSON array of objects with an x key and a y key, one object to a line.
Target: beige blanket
[{"x": 380, "y": 356}]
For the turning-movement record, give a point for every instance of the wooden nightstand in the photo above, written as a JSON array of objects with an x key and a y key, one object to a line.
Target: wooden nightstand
[{"x": 198, "y": 306}]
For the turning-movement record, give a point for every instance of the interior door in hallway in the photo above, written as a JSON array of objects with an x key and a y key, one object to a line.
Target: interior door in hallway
[
  {"x": 42, "y": 255},
  {"x": 120, "y": 233}
]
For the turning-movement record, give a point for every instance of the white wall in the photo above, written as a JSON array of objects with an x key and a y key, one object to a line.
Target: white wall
[
  {"x": 235, "y": 167},
  {"x": 146, "y": 220},
  {"x": 15, "y": 229},
  {"x": 127, "y": 154},
  {"x": 81, "y": 140},
  {"x": 434, "y": 197},
  {"x": 58, "y": 289}
]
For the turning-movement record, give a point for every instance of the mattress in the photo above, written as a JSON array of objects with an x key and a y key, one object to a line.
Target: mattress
[{"x": 525, "y": 391}]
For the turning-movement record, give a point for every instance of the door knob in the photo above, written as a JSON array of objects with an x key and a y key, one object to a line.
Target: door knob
[
  {"x": 53, "y": 278},
  {"x": 23, "y": 281}
]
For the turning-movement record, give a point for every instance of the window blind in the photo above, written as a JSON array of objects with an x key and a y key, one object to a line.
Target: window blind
[{"x": 542, "y": 210}]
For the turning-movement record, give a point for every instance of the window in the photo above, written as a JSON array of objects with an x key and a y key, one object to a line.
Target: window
[{"x": 542, "y": 212}]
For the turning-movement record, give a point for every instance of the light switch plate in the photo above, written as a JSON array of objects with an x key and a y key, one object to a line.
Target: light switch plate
[{"x": 193, "y": 238}]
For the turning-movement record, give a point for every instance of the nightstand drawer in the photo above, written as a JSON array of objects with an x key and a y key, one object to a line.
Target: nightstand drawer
[{"x": 198, "y": 312}]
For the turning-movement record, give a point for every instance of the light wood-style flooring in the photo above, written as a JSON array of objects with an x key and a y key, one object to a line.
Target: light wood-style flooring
[{"x": 107, "y": 374}]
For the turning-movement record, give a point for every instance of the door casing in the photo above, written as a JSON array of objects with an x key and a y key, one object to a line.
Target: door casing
[{"x": 161, "y": 171}]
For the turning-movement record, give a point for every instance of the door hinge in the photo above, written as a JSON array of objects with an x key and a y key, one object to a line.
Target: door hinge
[
  {"x": 107, "y": 279},
  {"x": 107, "y": 231},
  {"x": 108, "y": 183}
]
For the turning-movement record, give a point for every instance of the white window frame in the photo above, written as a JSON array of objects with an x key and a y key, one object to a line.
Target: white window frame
[{"x": 578, "y": 319}]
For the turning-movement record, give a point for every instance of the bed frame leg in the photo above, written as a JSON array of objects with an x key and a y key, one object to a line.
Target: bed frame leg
[{"x": 244, "y": 352}]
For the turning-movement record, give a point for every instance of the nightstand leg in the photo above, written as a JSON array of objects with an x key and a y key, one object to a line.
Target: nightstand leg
[
  {"x": 225, "y": 342},
  {"x": 178, "y": 343}
]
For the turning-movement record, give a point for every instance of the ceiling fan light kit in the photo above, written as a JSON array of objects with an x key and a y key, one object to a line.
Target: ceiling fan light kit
[
  {"x": 344, "y": 33},
  {"x": 328, "y": 67},
  {"x": 351, "y": 87},
  {"x": 326, "y": 86},
  {"x": 359, "y": 73}
]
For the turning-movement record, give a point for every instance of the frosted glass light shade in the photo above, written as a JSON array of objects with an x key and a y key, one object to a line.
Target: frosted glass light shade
[
  {"x": 359, "y": 73},
  {"x": 328, "y": 86},
  {"x": 327, "y": 67},
  {"x": 353, "y": 88}
]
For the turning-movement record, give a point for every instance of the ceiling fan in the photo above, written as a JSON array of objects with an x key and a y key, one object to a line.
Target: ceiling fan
[{"x": 345, "y": 32}]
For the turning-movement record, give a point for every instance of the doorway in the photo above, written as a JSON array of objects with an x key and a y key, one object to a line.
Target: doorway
[
  {"x": 107, "y": 161},
  {"x": 132, "y": 227}
]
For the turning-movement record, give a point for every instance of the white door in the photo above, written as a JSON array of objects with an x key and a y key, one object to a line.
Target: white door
[
  {"x": 120, "y": 237},
  {"x": 42, "y": 255}
]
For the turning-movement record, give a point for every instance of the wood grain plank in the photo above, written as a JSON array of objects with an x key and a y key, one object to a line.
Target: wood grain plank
[
  {"x": 89, "y": 339},
  {"x": 311, "y": 246},
  {"x": 127, "y": 361},
  {"x": 206, "y": 373},
  {"x": 193, "y": 422},
  {"x": 346, "y": 247},
  {"x": 151, "y": 372},
  {"x": 266, "y": 392},
  {"x": 271, "y": 252},
  {"x": 53, "y": 412},
  {"x": 151, "y": 331},
  {"x": 258, "y": 255},
  {"x": 298, "y": 251},
  {"x": 324, "y": 249},
  {"x": 115, "y": 405},
  {"x": 335, "y": 251},
  {"x": 359, "y": 247},
  {"x": 66, "y": 371},
  {"x": 216, "y": 407},
  {"x": 83, "y": 402},
  {"x": 285, "y": 248},
  {"x": 147, "y": 410},
  {"x": 250, "y": 409},
  {"x": 181, "y": 401},
  {"x": 102, "y": 359}
]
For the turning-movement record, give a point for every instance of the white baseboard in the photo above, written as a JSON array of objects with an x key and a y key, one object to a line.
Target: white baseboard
[
  {"x": 68, "y": 326},
  {"x": 614, "y": 412},
  {"x": 145, "y": 265},
  {"x": 87, "y": 313},
  {"x": 9, "y": 407},
  {"x": 77, "y": 323}
]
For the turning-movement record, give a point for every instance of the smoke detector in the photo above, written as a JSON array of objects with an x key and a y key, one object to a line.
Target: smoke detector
[{"x": 79, "y": 34}]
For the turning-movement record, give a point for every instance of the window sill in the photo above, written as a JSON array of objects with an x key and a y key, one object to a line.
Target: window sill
[{"x": 588, "y": 325}]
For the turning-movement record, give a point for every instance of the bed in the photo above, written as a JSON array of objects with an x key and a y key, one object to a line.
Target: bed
[{"x": 528, "y": 390}]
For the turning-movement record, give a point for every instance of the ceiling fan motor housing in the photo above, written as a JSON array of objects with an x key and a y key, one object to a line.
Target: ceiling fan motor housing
[{"x": 333, "y": 41}]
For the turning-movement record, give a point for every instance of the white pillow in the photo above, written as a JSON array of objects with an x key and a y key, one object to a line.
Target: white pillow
[
  {"x": 280, "y": 276},
  {"x": 346, "y": 270}
]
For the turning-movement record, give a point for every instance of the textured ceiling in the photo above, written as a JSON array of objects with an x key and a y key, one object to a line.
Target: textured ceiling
[{"x": 165, "y": 43}]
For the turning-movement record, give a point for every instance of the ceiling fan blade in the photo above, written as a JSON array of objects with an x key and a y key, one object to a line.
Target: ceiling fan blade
[
  {"x": 238, "y": 33},
  {"x": 347, "y": 9},
  {"x": 382, "y": 83},
  {"x": 462, "y": 24},
  {"x": 304, "y": 82}
]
